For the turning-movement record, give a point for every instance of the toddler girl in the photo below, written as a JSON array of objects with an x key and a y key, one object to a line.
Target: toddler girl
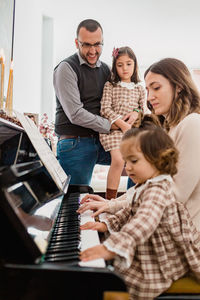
[
  {"x": 153, "y": 241},
  {"x": 122, "y": 95}
]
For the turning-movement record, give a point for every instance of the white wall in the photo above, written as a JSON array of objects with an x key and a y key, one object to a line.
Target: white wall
[
  {"x": 153, "y": 28},
  {"x": 27, "y": 56}
]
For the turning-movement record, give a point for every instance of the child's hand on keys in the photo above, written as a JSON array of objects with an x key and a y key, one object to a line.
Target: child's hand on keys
[
  {"x": 99, "y": 226},
  {"x": 92, "y": 197},
  {"x": 99, "y": 251}
]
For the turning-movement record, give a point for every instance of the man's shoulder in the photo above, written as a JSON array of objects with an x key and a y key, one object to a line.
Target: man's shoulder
[
  {"x": 105, "y": 65},
  {"x": 72, "y": 59}
]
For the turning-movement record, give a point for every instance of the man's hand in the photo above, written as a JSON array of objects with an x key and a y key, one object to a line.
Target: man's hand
[{"x": 114, "y": 127}]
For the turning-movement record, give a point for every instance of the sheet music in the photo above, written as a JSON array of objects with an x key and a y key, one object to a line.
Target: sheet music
[{"x": 46, "y": 155}]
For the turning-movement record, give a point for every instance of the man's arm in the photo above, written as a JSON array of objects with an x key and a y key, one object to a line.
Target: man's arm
[{"x": 66, "y": 88}]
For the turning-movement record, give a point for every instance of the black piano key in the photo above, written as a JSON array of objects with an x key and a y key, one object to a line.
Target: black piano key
[
  {"x": 67, "y": 252},
  {"x": 61, "y": 247},
  {"x": 64, "y": 244},
  {"x": 62, "y": 239},
  {"x": 63, "y": 236},
  {"x": 74, "y": 258},
  {"x": 66, "y": 232},
  {"x": 70, "y": 251},
  {"x": 62, "y": 253},
  {"x": 66, "y": 238}
]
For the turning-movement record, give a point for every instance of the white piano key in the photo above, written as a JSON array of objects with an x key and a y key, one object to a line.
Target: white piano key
[{"x": 90, "y": 238}]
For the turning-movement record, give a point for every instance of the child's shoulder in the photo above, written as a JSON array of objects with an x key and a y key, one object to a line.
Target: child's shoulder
[
  {"x": 163, "y": 181},
  {"x": 140, "y": 86},
  {"x": 159, "y": 187},
  {"x": 108, "y": 85}
]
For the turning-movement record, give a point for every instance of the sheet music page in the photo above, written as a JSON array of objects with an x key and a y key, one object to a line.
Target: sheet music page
[{"x": 46, "y": 155}]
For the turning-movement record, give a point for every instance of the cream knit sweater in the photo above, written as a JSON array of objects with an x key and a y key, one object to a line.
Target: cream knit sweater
[{"x": 186, "y": 136}]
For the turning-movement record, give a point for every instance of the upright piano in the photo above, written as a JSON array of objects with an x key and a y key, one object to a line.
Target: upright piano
[{"x": 39, "y": 226}]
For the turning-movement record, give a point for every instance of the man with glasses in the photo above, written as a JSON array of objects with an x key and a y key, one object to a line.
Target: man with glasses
[{"x": 78, "y": 82}]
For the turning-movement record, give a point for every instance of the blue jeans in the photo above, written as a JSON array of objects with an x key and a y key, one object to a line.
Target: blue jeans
[{"x": 78, "y": 156}]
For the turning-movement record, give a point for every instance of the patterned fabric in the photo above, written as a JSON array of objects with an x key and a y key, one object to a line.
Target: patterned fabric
[
  {"x": 155, "y": 240},
  {"x": 118, "y": 101}
]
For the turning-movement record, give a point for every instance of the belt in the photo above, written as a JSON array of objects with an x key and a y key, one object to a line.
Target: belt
[{"x": 63, "y": 137}]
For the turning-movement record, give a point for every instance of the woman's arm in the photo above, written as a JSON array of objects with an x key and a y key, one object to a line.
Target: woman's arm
[{"x": 186, "y": 137}]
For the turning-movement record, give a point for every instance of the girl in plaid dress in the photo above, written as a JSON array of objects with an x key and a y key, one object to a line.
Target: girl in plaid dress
[
  {"x": 122, "y": 95},
  {"x": 153, "y": 241}
]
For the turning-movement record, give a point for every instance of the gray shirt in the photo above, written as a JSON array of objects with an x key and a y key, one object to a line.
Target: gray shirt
[{"x": 66, "y": 87}]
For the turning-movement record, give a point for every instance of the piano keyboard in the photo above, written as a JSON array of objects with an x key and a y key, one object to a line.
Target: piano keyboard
[{"x": 67, "y": 240}]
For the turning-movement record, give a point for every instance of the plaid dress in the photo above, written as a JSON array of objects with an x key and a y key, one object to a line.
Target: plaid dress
[
  {"x": 118, "y": 101},
  {"x": 155, "y": 240}
]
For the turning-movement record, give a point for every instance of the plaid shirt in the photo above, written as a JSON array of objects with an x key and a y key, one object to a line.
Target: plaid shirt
[
  {"x": 155, "y": 240},
  {"x": 118, "y": 101}
]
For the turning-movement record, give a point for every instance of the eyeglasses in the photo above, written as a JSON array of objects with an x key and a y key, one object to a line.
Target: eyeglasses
[{"x": 88, "y": 45}]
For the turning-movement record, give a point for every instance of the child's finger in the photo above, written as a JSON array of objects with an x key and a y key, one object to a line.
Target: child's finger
[
  {"x": 90, "y": 254},
  {"x": 84, "y": 199},
  {"x": 88, "y": 225},
  {"x": 86, "y": 206},
  {"x": 98, "y": 212},
  {"x": 82, "y": 208}
]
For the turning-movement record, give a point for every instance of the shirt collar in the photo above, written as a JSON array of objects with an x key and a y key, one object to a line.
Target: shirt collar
[
  {"x": 82, "y": 61},
  {"x": 128, "y": 85},
  {"x": 140, "y": 188},
  {"x": 160, "y": 178}
]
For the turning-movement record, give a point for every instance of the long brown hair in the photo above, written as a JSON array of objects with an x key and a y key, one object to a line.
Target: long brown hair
[
  {"x": 186, "y": 101},
  {"x": 114, "y": 78}
]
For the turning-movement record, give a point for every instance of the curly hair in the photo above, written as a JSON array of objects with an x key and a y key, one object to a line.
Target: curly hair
[
  {"x": 156, "y": 145},
  {"x": 186, "y": 101}
]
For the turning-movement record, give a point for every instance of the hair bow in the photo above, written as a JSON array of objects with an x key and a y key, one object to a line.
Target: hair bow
[{"x": 115, "y": 52}]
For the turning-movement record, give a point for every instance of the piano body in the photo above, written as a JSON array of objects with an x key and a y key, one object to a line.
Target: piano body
[{"x": 39, "y": 229}]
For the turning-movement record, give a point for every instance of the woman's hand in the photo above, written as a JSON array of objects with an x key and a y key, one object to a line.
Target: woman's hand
[
  {"x": 99, "y": 251},
  {"x": 99, "y": 226}
]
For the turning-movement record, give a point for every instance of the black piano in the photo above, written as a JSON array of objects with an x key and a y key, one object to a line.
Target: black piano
[{"x": 39, "y": 229}]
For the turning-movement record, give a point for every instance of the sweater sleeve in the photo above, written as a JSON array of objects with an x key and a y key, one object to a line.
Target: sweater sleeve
[
  {"x": 122, "y": 201},
  {"x": 66, "y": 89},
  {"x": 106, "y": 104},
  {"x": 142, "y": 98},
  {"x": 139, "y": 227},
  {"x": 187, "y": 140}
]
